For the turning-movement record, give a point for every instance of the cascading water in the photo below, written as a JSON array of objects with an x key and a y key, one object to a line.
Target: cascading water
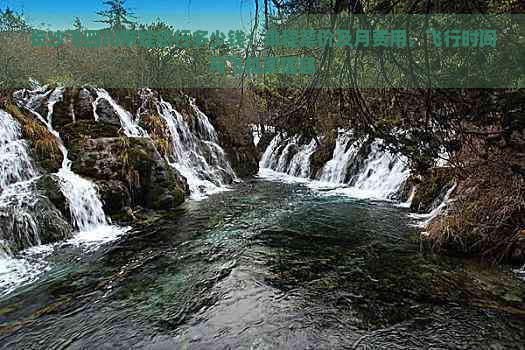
[
  {"x": 425, "y": 219},
  {"x": 15, "y": 163},
  {"x": 129, "y": 124},
  {"x": 17, "y": 196},
  {"x": 288, "y": 155},
  {"x": 382, "y": 174},
  {"x": 16, "y": 181},
  {"x": 85, "y": 207},
  {"x": 25, "y": 213},
  {"x": 379, "y": 175},
  {"x": 194, "y": 144},
  {"x": 195, "y": 150},
  {"x": 335, "y": 169}
]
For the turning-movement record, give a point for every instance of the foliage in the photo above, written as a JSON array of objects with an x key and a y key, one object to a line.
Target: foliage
[{"x": 116, "y": 16}]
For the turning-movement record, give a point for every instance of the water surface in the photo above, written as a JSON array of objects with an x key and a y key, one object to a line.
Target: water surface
[{"x": 266, "y": 266}]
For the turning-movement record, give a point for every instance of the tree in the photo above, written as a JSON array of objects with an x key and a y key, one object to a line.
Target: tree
[
  {"x": 77, "y": 25},
  {"x": 10, "y": 21},
  {"x": 117, "y": 16}
]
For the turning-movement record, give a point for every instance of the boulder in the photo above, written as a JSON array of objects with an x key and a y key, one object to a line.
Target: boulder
[
  {"x": 29, "y": 218},
  {"x": 106, "y": 113},
  {"x": 49, "y": 186},
  {"x": 129, "y": 172},
  {"x": 84, "y": 105}
]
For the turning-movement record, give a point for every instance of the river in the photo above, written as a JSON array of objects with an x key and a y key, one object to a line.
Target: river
[{"x": 266, "y": 265}]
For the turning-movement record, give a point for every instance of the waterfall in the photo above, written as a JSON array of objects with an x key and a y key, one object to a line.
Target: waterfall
[
  {"x": 335, "y": 169},
  {"x": 379, "y": 174},
  {"x": 15, "y": 163},
  {"x": 268, "y": 157},
  {"x": 426, "y": 219},
  {"x": 16, "y": 184},
  {"x": 194, "y": 143},
  {"x": 85, "y": 207},
  {"x": 17, "y": 196},
  {"x": 300, "y": 163},
  {"x": 195, "y": 150},
  {"x": 288, "y": 155},
  {"x": 129, "y": 124},
  {"x": 382, "y": 175}
]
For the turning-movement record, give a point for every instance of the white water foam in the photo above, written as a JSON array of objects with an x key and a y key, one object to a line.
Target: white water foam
[
  {"x": 380, "y": 176},
  {"x": 128, "y": 122},
  {"x": 425, "y": 219},
  {"x": 195, "y": 151}
]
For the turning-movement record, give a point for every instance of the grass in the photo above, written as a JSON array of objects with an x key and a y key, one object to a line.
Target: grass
[
  {"x": 43, "y": 143},
  {"x": 157, "y": 129}
]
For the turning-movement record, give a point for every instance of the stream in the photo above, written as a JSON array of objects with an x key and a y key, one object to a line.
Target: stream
[{"x": 265, "y": 265}]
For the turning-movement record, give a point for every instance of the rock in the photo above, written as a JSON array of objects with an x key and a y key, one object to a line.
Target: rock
[
  {"x": 49, "y": 186},
  {"x": 432, "y": 189},
  {"x": 222, "y": 107},
  {"x": 132, "y": 164},
  {"x": 106, "y": 113},
  {"x": 323, "y": 154},
  {"x": 87, "y": 129},
  {"x": 115, "y": 196},
  {"x": 30, "y": 219},
  {"x": 265, "y": 141},
  {"x": 84, "y": 105},
  {"x": 356, "y": 164}
]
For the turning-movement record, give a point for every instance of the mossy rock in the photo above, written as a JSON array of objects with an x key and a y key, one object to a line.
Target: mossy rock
[
  {"x": 432, "y": 189},
  {"x": 49, "y": 186},
  {"x": 43, "y": 144},
  {"x": 323, "y": 154},
  {"x": 84, "y": 129},
  {"x": 131, "y": 170}
]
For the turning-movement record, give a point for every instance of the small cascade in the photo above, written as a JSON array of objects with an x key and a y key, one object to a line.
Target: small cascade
[
  {"x": 15, "y": 163},
  {"x": 336, "y": 168},
  {"x": 410, "y": 199},
  {"x": 426, "y": 219},
  {"x": 288, "y": 155},
  {"x": 382, "y": 174},
  {"x": 268, "y": 158},
  {"x": 85, "y": 207},
  {"x": 195, "y": 150},
  {"x": 379, "y": 174},
  {"x": 128, "y": 122},
  {"x": 300, "y": 163},
  {"x": 17, "y": 195}
]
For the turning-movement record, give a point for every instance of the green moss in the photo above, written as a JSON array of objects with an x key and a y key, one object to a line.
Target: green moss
[
  {"x": 44, "y": 145},
  {"x": 431, "y": 186},
  {"x": 88, "y": 129},
  {"x": 174, "y": 187}
]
